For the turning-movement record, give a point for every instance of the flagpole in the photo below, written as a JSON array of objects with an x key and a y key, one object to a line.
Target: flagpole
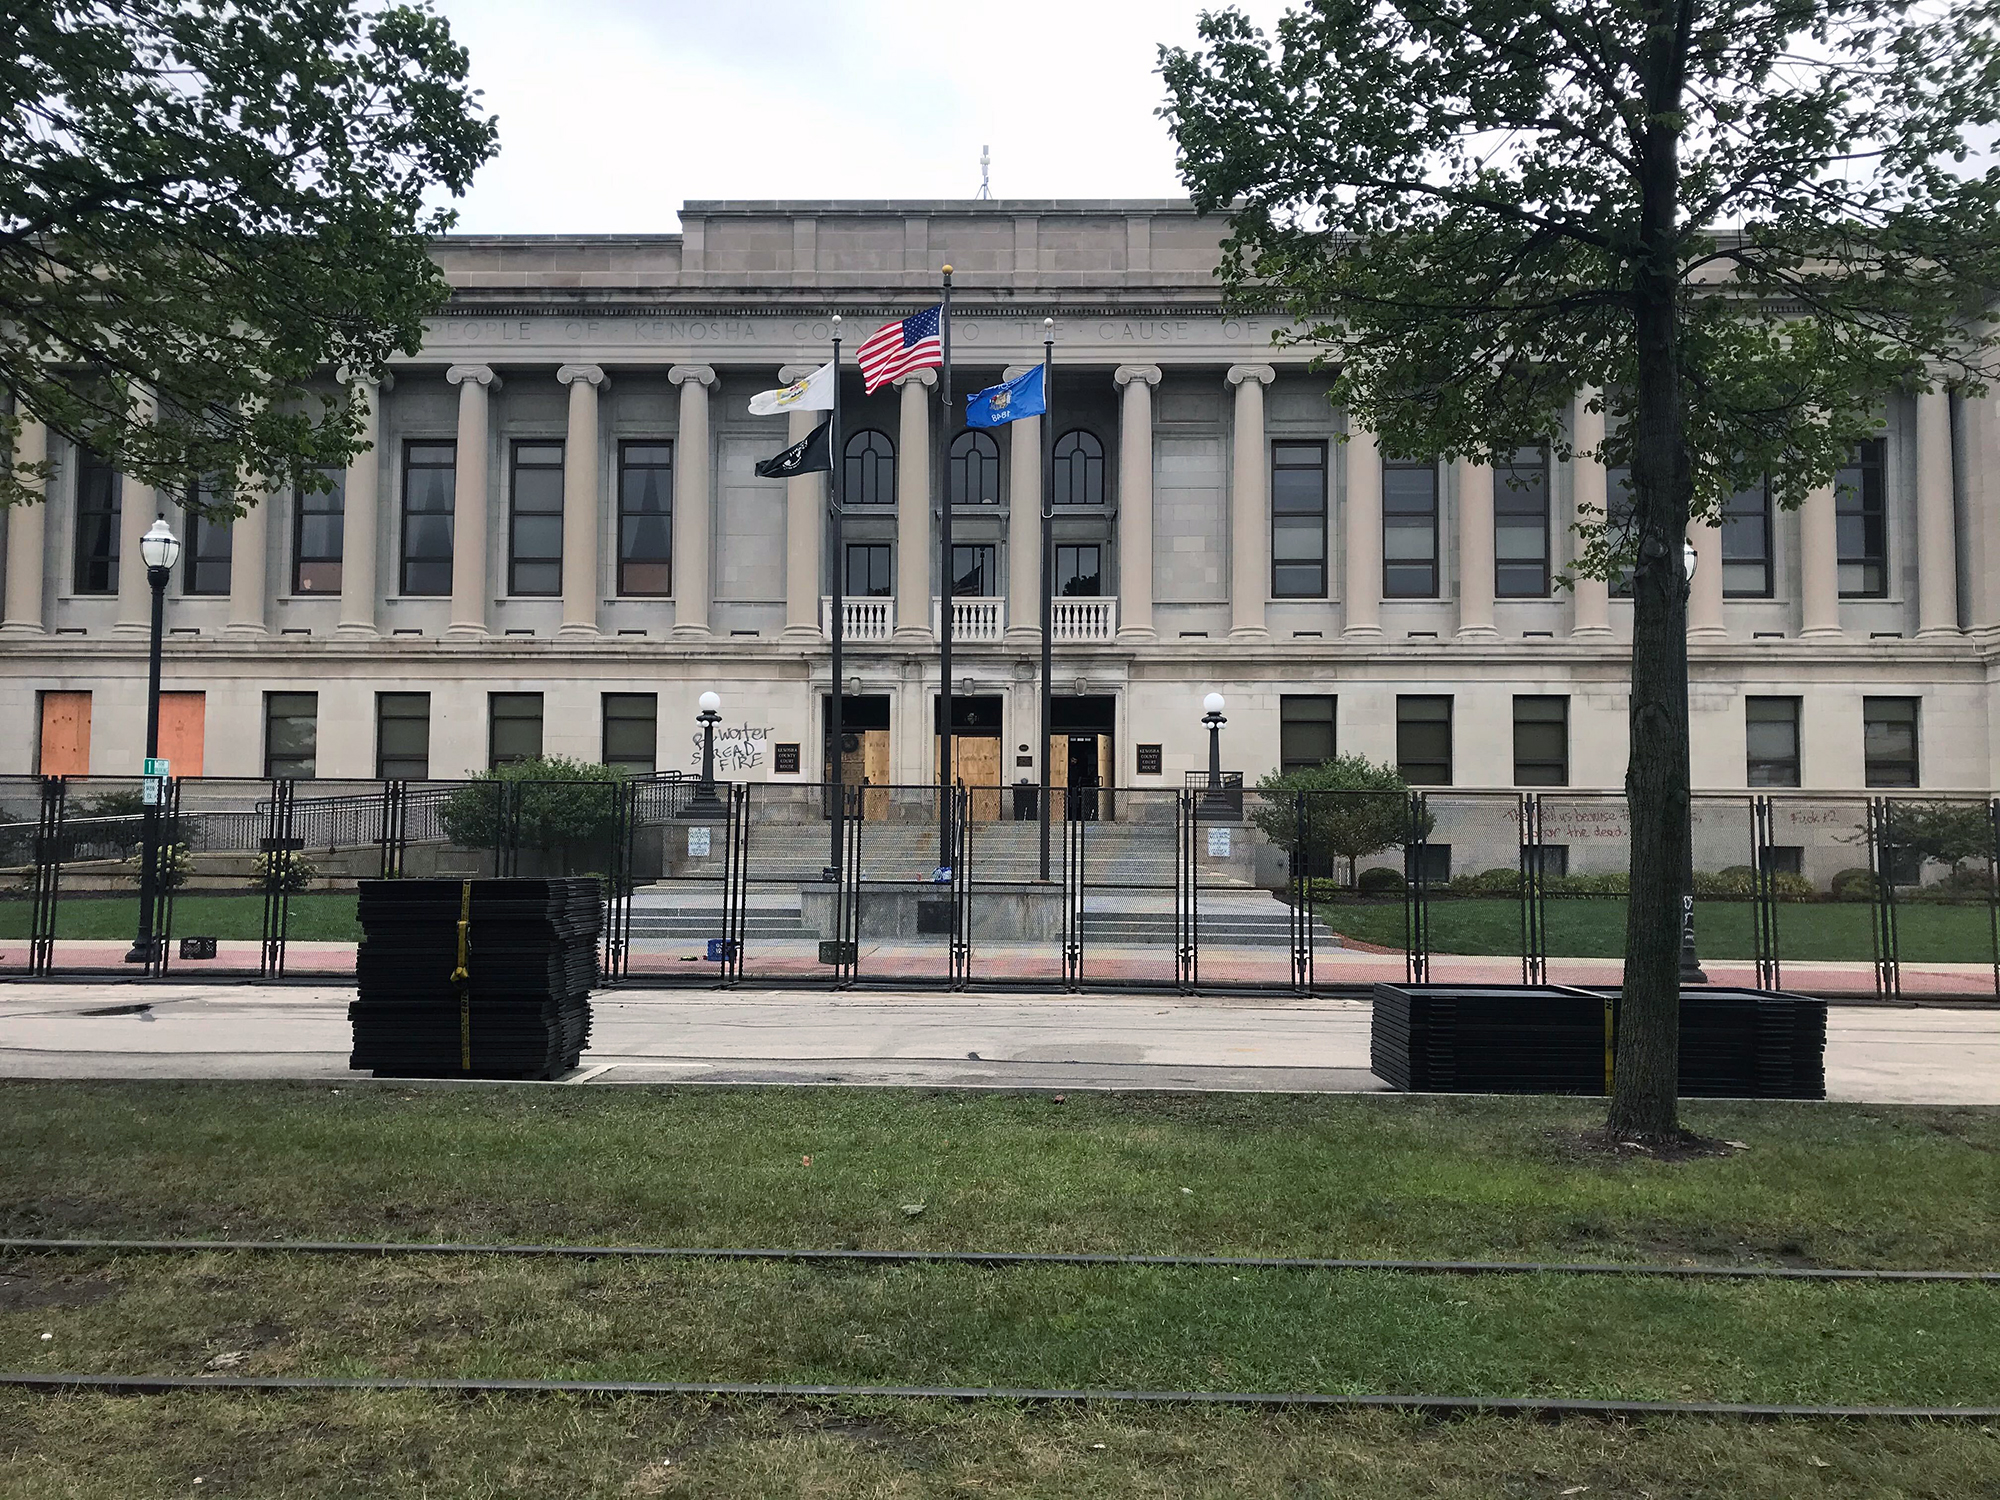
[
  {"x": 1048, "y": 572},
  {"x": 836, "y": 705},
  {"x": 945, "y": 608}
]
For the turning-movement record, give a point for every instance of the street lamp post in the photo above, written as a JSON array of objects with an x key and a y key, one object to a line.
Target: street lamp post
[
  {"x": 1690, "y": 960},
  {"x": 705, "y": 800},
  {"x": 160, "y": 549},
  {"x": 1212, "y": 719}
]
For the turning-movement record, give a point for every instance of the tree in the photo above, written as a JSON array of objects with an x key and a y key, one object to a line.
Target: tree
[
  {"x": 549, "y": 805},
  {"x": 1731, "y": 226},
  {"x": 208, "y": 207},
  {"x": 1350, "y": 808},
  {"x": 1949, "y": 832}
]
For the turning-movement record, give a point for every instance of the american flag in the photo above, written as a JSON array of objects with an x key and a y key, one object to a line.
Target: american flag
[{"x": 911, "y": 343}]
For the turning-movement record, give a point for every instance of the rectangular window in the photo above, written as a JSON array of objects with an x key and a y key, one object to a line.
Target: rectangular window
[
  {"x": 1430, "y": 864},
  {"x": 205, "y": 548},
  {"x": 1423, "y": 740},
  {"x": 975, "y": 572},
  {"x": 1305, "y": 731},
  {"x": 97, "y": 501},
  {"x": 1771, "y": 741},
  {"x": 514, "y": 728},
  {"x": 1521, "y": 526},
  {"x": 402, "y": 736},
  {"x": 1746, "y": 543},
  {"x": 646, "y": 519},
  {"x": 1548, "y": 861},
  {"x": 1409, "y": 530},
  {"x": 868, "y": 574},
  {"x": 430, "y": 474},
  {"x": 1298, "y": 520},
  {"x": 317, "y": 521},
  {"x": 1785, "y": 859},
  {"x": 1078, "y": 573},
  {"x": 534, "y": 522},
  {"x": 291, "y": 735},
  {"x": 1861, "y": 523},
  {"x": 1889, "y": 741},
  {"x": 631, "y": 731},
  {"x": 1541, "y": 741}
]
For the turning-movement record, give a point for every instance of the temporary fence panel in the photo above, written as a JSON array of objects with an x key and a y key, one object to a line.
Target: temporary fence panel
[
  {"x": 1575, "y": 858},
  {"x": 1935, "y": 860},
  {"x": 1241, "y": 866},
  {"x": 31, "y": 810},
  {"x": 1014, "y": 905},
  {"x": 1133, "y": 924},
  {"x": 1465, "y": 858}
]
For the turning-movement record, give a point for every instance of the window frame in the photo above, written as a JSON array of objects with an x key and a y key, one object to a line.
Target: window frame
[
  {"x": 1433, "y": 527},
  {"x": 1766, "y": 770},
  {"x": 982, "y": 449},
  {"x": 200, "y": 558},
  {"x": 271, "y": 759},
  {"x": 1870, "y": 763},
  {"x": 1291, "y": 708},
  {"x": 302, "y": 502},
  {"x": 516, "y": 516},
  {"x": 1559, "y": 765},
  {"x": 647, "y": 765},
  {"x": 1408, "y": 723},
  {"x": 494, "y": 719},
  {"x": 1502, "y": 493},
  {"x": 628, "y": 517},
  {"x": 1321, "y": 519},
  {"x": 888, "y": 552},
  {"x": 404, "y": 559},
  {"x": 1065, "y": 477},
  {"x": 109, "y": 516},
  {"x": 1871, "y": 512},
  {"x": 988, "y": 563},
  {"x": 383, "y": 718},
  {"x": 1096, "y": 575},
  {"x": 866, "y": 469},
  {"x": 1768, "y": 561}
]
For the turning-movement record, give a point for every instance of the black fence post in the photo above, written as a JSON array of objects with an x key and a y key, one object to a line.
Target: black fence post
[
  {"x": 167, "y": 853},
  {"x": 1534, "y": 916},
  {"x": 1187, "y": 938},
  {"x": 1764, "y": 915},
  {"x": 1302, "y": 898},
  {"x": 1073, "y": 887},
  {"x": 961, "y": 888},
  {"x": 278, "y": 842},
  {"x": 1417, "y": 894},
  {"x": 48, "y": 876},
  {"x": 736, "y": 882},
  {"x": 1882, "y": 899}
]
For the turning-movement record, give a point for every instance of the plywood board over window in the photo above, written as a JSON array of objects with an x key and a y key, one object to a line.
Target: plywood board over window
[
  {"x": 183, "y": 723},
  {"x": 65, "y": 749}
]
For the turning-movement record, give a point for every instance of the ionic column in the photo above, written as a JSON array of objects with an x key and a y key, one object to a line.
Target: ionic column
[
  {"x": 469, "y": 501},
  {"x": 249, "y": 567},
  {"x": 1475, "y": 552},
  {"x": 805, "y": 527},
  {"x": 1819, "y": 566},
  {"x": 1937, "y": 531},
  {"x": 1590, "y": 602},
  {"x": 580, "y": 501},
  {"x": 693, "y": 501},
  {"x": 1362, "y": 591},
  {"x": 26, "y": 535},
  {"x": 1705, "y": 591},
  {"x": 913, "y": 508},
  {"x": 1249, "y": 505},
  {"x": 138, "y": 506},
  {"x": 1024, "y": 526},
  {"x": 1135, "y": 501},
  {"x": 358, "y": 517}
]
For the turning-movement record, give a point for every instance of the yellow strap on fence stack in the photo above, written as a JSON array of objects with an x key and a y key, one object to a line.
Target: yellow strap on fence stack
[{"x": 462, "y": 977}]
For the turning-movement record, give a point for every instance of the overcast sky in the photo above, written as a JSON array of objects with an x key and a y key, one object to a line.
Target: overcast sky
[{"x": 612, "y": 112}]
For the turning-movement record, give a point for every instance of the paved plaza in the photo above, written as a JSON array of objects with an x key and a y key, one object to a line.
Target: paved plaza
[{"x": 1931, "y": 1055}]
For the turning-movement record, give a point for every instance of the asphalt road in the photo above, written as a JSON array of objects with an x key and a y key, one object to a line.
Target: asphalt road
[{"x": 1878, "y": 1055}]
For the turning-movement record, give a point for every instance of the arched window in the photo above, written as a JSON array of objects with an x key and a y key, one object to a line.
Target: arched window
[
  {"x": 975, "y": 469},
  {"x": 871, "y": 469},
  {"x": 1079, "y": 469}
]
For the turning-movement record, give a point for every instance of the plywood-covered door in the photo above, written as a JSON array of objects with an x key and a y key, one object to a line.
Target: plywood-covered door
[
  {"x": 65, "y": 740},
  {"x": 975, "y": 762},
  {"x": 1107, "y": 777},
  {"x": 875, "y": 771},
  {"x": 183, "y": 727}
]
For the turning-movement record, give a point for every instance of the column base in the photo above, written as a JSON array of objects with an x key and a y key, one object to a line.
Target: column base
[
  {"x": 1249, "y": 633},
  {"x": 1022, "y": 635},
  {"x": 1928, "y": 633},
  {"x": 577, "y": 630},
  {"x": 804, "y": 634},
  {"x": 911, "y": 635},
  {"x": 354, "y": 630},
  {"x": 1137, "y": 635},
  {"x": 239, "y": 630},
  {"x": 692, "y": 632},
  {"x": 1475, "y": 633},
  {"x": 137, "y": 628},
  {"x": 1590, "y": 633},
  {"x": 22, "y": 627},
  {"x": 1717, "y": 633},
  {"x": 1363, "y": 633},
  {"x": 463, "y": 630}
]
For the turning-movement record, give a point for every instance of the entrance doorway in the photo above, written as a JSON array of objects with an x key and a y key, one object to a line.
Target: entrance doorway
[
  {"x": 1081, "y": 756},
  {"x": 864, "y": 750},
  {"x": 975, "y": 754}
]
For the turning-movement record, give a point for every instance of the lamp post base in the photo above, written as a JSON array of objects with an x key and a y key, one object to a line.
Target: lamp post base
[{"x": 145, "y": 952}]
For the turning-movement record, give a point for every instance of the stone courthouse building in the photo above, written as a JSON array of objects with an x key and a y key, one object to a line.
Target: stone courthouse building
[{"x": 557, "y": 543}]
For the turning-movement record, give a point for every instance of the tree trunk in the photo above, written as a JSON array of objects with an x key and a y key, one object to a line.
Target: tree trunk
[{"x": 1647, "y": 1067}]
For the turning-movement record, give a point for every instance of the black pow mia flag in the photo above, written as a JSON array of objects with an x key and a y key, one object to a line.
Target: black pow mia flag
[{"x": 810, "y": 454}]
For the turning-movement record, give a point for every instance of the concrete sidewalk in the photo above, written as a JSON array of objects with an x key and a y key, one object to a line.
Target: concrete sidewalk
[{"x": 1878, "y": 1055}]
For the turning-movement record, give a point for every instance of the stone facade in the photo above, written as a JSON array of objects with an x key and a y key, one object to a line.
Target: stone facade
[{"x": 573, "y": 352}]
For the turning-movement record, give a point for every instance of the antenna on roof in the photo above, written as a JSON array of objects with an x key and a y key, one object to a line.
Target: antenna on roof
[{"x": 985, "y": 187}]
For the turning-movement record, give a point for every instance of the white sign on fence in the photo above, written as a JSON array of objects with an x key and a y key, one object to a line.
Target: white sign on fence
[
  {"x": 698, "y": 843},
  {"x": 1218, "y": 843}
]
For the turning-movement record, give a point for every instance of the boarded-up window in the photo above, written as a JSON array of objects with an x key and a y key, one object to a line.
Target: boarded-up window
[
  {"x": 183, "y": 719},
  {"x": 65, "y": 747}
]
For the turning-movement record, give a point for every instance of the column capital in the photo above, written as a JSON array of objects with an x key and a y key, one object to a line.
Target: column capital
[
  {"x": 481, "y": 374},
  {"x": 386, "y": 381},
  {"x": 1014, "y": 372},
  {"x": 1124, "y": 375},
  {"x": 571, "y": 374},
  {"x": 698, "y": 374},
  {"x": 789, "y": 373},
  {"x": 916, "y": 377},
  {"x": 1262, "y": 374}
]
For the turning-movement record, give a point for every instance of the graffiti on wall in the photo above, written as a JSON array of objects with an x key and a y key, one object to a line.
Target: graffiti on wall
[{"x": 738, "y": 747}]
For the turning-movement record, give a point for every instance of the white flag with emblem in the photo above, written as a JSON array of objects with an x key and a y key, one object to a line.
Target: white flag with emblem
[{"x": 814, "y": 393}]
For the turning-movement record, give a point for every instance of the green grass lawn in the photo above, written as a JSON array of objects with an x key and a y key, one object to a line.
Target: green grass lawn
[
  {"x": 326, "y": 915},
  {"x": 1594, "y": 927},
  {"x": 1334, "y": 1176}
]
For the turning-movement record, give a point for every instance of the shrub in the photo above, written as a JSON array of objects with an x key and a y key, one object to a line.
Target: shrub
[
  {"x": 1854, "y": 885},
  {"x": 1791, "y": 887},
  {"x": 551, "y": 805},
  {"x": 295, "y": 873},
  {"x": 1380, "y": 880},
  {"x": 176, "y": 864},
  {"x": 1354, "y": 808},
  {"x": 1737, "y": 881},
  {"x": 1499, "y": 881}
]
